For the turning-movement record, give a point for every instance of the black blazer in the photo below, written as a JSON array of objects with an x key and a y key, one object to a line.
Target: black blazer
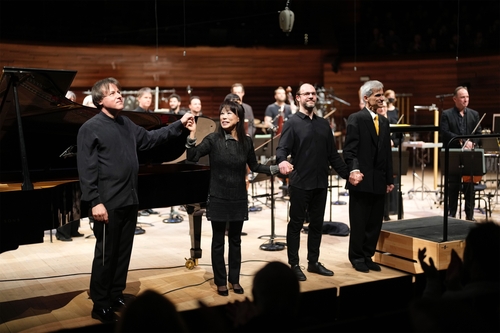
[
  {"x": 369, "y": 153},
  {"x": 449, "y": 126}
]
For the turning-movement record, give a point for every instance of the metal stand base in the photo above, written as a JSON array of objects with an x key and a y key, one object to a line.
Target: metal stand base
[{"x": 272, "y": 246}]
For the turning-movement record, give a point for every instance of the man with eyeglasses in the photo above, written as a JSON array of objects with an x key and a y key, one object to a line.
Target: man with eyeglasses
[
  {"x": 310, "y": 142},
  {"x": 108, "y": 171}
]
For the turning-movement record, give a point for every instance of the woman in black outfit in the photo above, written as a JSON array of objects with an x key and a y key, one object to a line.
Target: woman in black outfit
[{"x": 230, "y": 151}]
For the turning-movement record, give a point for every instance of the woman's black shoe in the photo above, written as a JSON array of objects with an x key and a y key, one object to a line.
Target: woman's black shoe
[
  {"x": 238, "y": 289},
  {"x": 222, "y": 290}
]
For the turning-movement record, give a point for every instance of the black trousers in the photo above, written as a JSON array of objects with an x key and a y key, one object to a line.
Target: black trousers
[
  {"x": 301, "y": 201},
  {"x": 114, "y": 242},
  {"x": 234, "y": 256},
  {"x": 366, "y": 211},
  {"x": 454, "y": 183}
]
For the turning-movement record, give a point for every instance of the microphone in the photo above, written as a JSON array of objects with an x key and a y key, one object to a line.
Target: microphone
[{"x": 444, "y": 95}]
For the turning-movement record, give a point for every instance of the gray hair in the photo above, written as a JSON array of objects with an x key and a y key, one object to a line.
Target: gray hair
[
  {"x": 369, "y": 86},
  {"x": 143, "y": 91}
]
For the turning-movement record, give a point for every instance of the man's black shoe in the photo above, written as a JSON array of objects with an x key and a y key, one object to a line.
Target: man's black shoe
[
  {"x": 61, "y": 237},
  {"x": 318, "y": 268},
  {"x": 106, "y": 316},
  {"x": 139, "y": 231},
  {"x": 361, "y": 267},
  {"x": 298, "y": 272},
  {"x": 372, "y": 266},
  {"x": 150, "y": 211},
  {"x": 77, "y": 234},
  {"x": 118, "y": 304}
]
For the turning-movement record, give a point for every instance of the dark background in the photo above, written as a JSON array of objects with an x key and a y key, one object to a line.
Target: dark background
[{"x": 346, "y": 27}]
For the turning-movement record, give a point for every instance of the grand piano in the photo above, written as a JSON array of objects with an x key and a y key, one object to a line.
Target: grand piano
[{"x": 38, "y": 174}]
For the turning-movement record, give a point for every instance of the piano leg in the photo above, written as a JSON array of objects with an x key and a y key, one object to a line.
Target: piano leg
[{"x": 195, "y": 214}]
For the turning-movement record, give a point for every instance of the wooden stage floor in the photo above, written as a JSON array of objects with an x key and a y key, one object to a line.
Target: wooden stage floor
[{"x": 44, "y": 287}]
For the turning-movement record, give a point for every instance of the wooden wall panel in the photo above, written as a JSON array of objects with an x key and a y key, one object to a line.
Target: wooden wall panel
[
  {"x": 208, "y": 71},
  {"x": 424, "y": 80},
  {"x": 211, "y": 71}
]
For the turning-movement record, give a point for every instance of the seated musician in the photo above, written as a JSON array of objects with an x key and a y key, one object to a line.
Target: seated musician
[
  {"x": 460, "y": 120},
  {"x": 276, "y": 109}
]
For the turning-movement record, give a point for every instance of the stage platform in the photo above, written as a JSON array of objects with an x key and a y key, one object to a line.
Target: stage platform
[
  {"x": 400, "y": 241},
  {"x": 44, "y": 287}
]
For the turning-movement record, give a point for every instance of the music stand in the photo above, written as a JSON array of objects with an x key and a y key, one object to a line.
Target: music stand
[
  {"x": 333, "y": 172},
  {"x": 465, "y": 163},
  {"x": 330, "y": 186},
  {"x": 264, "y": 153},
  {"x": 272, "y": 245},
  {"x": 173, "y": 216},
  {"x": 396, "y": 163}
]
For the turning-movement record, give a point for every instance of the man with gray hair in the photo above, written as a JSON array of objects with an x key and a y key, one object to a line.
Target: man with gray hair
[{"x": 367, "y": 149}]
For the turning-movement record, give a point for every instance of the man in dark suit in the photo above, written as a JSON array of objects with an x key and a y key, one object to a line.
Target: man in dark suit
[
  {"x": 367, "y": 149},
  {"x": 460, "y": 120}
]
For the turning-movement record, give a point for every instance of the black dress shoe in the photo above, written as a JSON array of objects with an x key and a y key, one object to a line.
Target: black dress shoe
[
  {"x": 150, "y": 211},
  {"x": 118, "y": 304},
  {"x": 106, "y": 316},
  {"x": 62, "y": 237},
  {"x": 318, "y": 268},
  {"x": 372, "y": 266},
  {"x": 77, "y": 234},
  {"x": 298, "y": 272},
  {"x": 143, "y": 213},
  {"x": 387, "y": 218},
  {"x": 222, "y": 290},
  {"x": 238, "y": 289},
  {"x": 139, "y": 231},
  {"x": 361, "y": 267}
]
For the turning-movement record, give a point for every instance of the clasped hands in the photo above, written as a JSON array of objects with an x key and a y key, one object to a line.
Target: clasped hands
[{"x": 354, "y": 178}]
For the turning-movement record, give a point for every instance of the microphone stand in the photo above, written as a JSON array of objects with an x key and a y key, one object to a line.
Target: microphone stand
[{"x": 272, "y": 245}]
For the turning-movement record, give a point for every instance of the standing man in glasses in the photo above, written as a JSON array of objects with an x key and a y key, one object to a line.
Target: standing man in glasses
[
  {"x": 310, "y": 142},
  {"x": 108, "y": 171}
]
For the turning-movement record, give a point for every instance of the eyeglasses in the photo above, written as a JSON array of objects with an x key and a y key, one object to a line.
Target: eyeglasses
[{"x": 308, "y": 93}]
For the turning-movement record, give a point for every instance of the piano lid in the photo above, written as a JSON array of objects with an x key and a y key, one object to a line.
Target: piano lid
[{"x": 50, "y": 124}]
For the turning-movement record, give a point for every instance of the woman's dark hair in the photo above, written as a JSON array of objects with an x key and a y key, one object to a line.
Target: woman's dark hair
[
  {"x": 240, "y": 127},
  {"x": 232, "y": 97}
]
